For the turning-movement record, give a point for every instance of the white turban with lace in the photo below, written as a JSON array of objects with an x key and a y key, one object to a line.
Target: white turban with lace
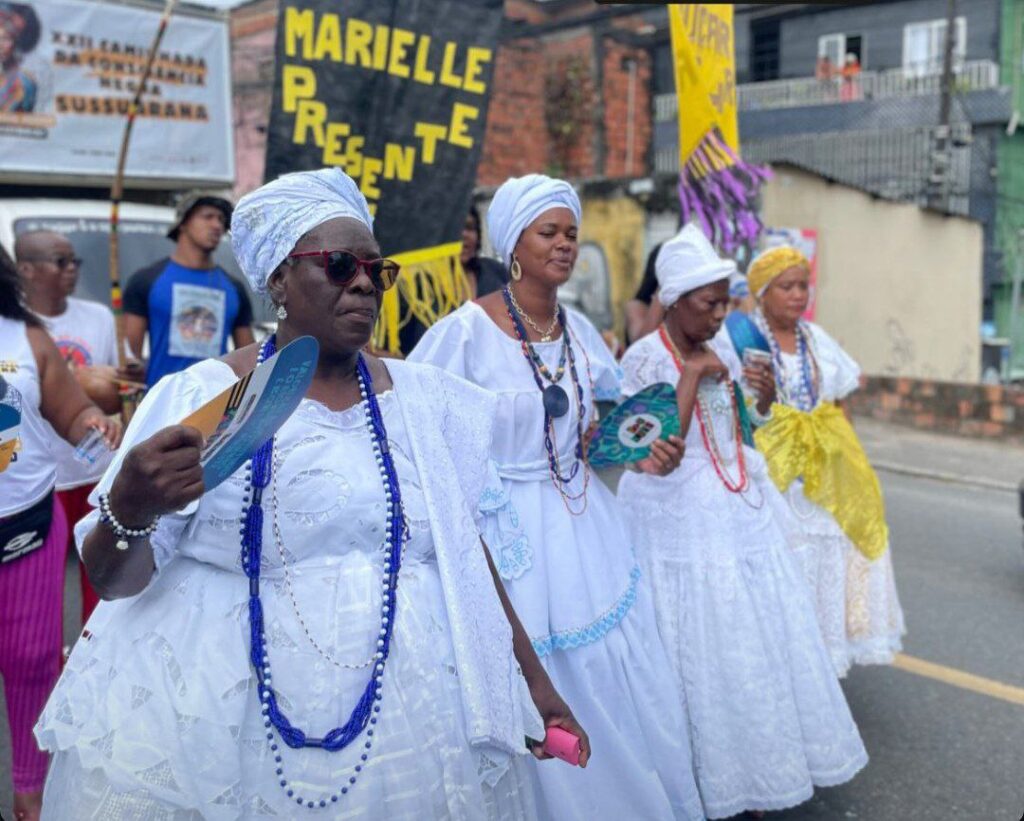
[
  {"x": 687, "y": 262},
  {"x": 269, "y": 221},
  {"x": 518, "y": 202}
]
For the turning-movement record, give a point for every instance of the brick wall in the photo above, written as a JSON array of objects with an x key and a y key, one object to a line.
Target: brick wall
[
  {"x": 253, "y": 29},
  {"x": 608, "y": 122},
  {"x": 990, "y": 411}
]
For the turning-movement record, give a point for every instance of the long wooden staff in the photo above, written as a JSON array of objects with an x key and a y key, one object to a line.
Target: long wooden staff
[{"x": 129, "y": 393}]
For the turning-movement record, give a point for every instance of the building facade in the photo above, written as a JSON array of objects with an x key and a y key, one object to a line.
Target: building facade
[
  {"x": 587, "y": 91},
  {"x": 856, "y": 93}
]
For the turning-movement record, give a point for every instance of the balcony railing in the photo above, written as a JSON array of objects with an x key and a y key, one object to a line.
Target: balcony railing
[{"x": 976, "y": 75}]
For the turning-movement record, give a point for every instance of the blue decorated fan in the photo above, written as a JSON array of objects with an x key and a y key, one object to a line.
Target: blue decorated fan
[
  {"x": 627, "y": 433},
  {"x": 237, "y": 422},
  {"x": 745, "y": 334}
]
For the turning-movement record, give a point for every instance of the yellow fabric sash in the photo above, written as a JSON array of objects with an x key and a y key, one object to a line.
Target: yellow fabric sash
[
  {"x": 432, "y": 284},
  {"x": 823, "y": 449}
]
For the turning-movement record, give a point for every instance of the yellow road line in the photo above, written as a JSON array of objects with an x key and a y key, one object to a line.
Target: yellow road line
[{"x": 958, "y": 678}]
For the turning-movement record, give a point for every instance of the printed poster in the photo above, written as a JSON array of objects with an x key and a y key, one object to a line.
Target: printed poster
[{"x": 71, "y": 70}]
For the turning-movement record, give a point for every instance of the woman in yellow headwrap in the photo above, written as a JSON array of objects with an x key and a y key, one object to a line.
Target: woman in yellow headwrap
[{"x": 816, "y": 460}]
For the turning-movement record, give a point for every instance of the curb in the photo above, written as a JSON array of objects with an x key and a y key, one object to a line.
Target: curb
[{"x": 942, "y": 476}]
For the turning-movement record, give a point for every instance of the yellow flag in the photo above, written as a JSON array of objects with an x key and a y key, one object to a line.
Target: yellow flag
[{"x": 703, "y": 53}]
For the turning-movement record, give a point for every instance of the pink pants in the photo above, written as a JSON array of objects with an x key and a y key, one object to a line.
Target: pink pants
[{"x": 31, "y": 596}]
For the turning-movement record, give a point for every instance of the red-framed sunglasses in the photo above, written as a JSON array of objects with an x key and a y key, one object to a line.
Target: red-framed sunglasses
[{"x": 342, "y": 267}]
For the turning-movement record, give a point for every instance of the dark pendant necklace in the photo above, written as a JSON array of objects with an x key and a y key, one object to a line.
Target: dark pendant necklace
[
  {"x": 556, "y": 401},
  {"x": 554, "y": 398}
]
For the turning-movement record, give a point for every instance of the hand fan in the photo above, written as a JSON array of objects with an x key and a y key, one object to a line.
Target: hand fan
[
  {"x": 237, "y": 421},
  {"x": 626, "y": 434}
]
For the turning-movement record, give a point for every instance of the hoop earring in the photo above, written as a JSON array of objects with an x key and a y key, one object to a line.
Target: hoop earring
[
  {"x": 282, "y": 312},
  {"x": 515, "y": 270}
]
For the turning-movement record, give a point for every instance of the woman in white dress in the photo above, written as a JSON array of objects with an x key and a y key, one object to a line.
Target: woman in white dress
[
  {"x": 843, "y": 549},
  {"x": 337, "y": 580},
  {"x": 555, "y": 531},
  {"x": 768, "y": 718}
]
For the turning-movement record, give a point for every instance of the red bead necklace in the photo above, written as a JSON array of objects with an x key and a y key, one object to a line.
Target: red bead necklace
[{"x": 708, "y": 436}]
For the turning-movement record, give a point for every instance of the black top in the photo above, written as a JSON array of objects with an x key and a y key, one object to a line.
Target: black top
[
  {"x": 649, "y": 284},
  {"x": 491, "y": 275}
]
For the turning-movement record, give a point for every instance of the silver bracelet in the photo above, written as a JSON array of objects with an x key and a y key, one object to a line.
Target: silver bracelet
[
  {"x": 756, "y": 417},
  {"x": 122, "y": 533}
]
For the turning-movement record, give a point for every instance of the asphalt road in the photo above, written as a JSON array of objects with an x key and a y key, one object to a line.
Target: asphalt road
[{"x": 938, "y": 750}]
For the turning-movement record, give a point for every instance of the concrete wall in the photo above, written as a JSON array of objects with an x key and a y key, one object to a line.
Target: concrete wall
[{"x": 898, "y": 286}]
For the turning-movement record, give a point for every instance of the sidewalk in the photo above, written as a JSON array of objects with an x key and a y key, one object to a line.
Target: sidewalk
[{"x": 899, "y": 449}]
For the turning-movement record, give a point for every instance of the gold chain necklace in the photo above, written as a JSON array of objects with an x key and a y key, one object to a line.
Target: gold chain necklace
[{"x": 545, "y": 336}]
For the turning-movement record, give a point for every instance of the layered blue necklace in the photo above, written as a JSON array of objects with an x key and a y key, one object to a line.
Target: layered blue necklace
[
  {"x": 364, "y": 715},
  {"x": 806, "y": 398},
  {"x": 554, "y": 398}
]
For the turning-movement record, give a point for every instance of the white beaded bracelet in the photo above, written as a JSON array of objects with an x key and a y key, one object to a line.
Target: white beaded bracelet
[{"x": 122, "y": 533}]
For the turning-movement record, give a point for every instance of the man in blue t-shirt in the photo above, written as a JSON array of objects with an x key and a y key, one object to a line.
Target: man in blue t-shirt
[{"x": 187, "y": 304}]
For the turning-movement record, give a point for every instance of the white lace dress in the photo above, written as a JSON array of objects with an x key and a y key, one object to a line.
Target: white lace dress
[
  {"x": 575, "y": 582},
  {"x": 157, "y": 716},
  {"x": 856, "y": 600},
  {"x": 768, "y": 720}
]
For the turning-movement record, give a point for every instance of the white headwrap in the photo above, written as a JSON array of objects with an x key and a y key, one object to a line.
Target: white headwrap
[
  {"x": 269, "y": 221},
  {"x": 518, "y": 202},
  {"x": 686, "y": 262}
]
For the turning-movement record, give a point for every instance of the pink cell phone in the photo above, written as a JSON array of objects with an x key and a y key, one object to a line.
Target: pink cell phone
[{"x": 562, "y": 744}]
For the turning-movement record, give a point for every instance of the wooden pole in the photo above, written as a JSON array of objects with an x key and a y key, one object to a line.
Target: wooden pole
[{"x": 129, "y": 393}]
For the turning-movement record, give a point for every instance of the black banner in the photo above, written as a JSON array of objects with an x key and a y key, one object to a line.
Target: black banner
[{"x": 394, "y": 92}]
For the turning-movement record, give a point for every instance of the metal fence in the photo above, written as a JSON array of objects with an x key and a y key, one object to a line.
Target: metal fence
[{"x": 897, "y": 165}]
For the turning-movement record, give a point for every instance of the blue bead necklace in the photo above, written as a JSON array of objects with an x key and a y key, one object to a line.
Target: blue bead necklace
[
  {"x": 258, "y": 475},
  {"x": 806, "y": 398}
]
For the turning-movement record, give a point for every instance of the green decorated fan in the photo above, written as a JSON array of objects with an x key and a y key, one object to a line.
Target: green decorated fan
[{"x": 627, "y": 433}]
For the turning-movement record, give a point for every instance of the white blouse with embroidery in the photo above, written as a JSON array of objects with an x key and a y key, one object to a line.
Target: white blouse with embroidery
[{"x": 157, "y": 709}]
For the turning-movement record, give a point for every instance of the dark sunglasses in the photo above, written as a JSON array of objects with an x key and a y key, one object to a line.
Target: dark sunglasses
[
  {"x": 60, "y": 262},
  {"x": 342, "y": 267}
]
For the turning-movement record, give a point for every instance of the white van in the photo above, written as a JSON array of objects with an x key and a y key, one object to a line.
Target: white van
[{"x": 143, "y": 240}]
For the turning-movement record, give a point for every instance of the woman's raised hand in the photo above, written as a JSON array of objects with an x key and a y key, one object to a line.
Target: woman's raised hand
[
  {"x": 705, "y": 364},
  {"x": 761, "y": 381},
  {"x": 158, "y": 476},
  {"x": 108, "y": 426}
]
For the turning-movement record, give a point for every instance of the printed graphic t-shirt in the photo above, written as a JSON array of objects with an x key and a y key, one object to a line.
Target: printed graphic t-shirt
[
  {"x": 85, "y": 336},
  {"x": 190, "y": 314}
]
